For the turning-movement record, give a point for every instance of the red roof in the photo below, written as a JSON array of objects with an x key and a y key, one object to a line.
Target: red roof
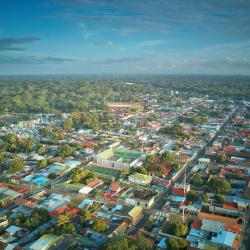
[
  {"x": 196, "y": 224},
  {"x": 89, "y": 143},
  {"x": 94, "y": 183},
  {"x": 74, "y": 211},
  {"x": 233, "y": 170},
  {"x": 178, "y": 191},
  {"x": 115, "y": 187},
  {"x": 230, "y": 205},
  {"x": 59, "y": 210},
  {"x": 230, "y": 148}
]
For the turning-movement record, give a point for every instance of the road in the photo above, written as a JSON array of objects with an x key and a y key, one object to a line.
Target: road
[{"x": 161, "y": 199}]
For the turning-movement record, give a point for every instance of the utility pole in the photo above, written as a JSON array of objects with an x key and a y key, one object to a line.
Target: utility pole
[{"x": 184, "y": 185}]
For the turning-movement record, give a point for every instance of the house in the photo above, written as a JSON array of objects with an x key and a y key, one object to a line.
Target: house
[
  {"x": 225, "y": 239},
  {"x": 7, "y": 195},
  {"x": 204, "y": 161},
  {"x": 140, "y": 178},
  {"x": 44, "y": 242},
  {"x": 180, "y": 189},
  {"x": 141, "y": 197},
  {"x": 135, "y": 214}
]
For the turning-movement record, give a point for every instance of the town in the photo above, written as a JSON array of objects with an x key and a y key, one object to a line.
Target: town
[{"x": 156, "y": 173}]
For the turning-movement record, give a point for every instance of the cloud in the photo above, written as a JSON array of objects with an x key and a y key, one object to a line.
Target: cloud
[
  {"x": 117, "y": 60},
  {"x": 11, "y": 43},
  {"x": 30, "y": 59},
  {"x": 152, "y": 43},
  {"x": 159, "y": 16},
  {"x": 103, "y": 43}
]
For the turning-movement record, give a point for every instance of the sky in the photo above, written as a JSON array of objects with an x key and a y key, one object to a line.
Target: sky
[{"x": 125, "y": 37}]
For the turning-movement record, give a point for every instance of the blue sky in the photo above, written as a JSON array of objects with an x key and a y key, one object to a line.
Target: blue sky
[{"x": 122, "y": 36}]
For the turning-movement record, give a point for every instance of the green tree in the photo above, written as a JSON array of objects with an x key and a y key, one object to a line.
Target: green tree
[
  {"x": 192, "y": 196},
  {"x": 218, "y": 186},
  {"x": 67, "y": 124},
  {"x": 167, "y": 157},
  {"x": 118, "y": 243},
  {"x": 65, "y": 150},
  {"x": 63, "y": 219},
  {"x": 99, "y": 226},
  {"x": 15, "y": 165},
  {"x": 86, "y": 216},
  {"x": 29, "y": 145},
  {"x": 205, "y": 198},
  {"x": 41, "y": 150},
  {"x": 219, "y": 197},
  {"x": 176, "y": 244},
  {"x": 42, "y": 163},
  {"x": 178, "y": 229}
]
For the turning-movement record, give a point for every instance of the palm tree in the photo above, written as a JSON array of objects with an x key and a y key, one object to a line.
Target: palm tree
[
  {"x": 77, "y": 175},
  {"x": 63, "y": 219}
]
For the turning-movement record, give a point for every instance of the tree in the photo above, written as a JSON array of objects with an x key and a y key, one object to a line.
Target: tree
[
  {"x": 63, "y": 219},
  {"x": 86, "y": 216},
  {"x": 15, "y": 165},
  {"x": 219, "y": 197},
  {"x": 125, "y": 171},
  {"x": 67, "y": 124},
  {"x": 178, "y": 229},
  {"x": 176, "y": 166},
  {"x": 218, "y": 186},
  {"x": 29, "y": 145},
  {"x": 176, "y": 244},
  {"x": 192, "y": 196},
  {"x": 150, "y": 160},
  {"x": 64, "y": 150},
  {"x": 42, "y": 163},
  {"x": 167, "y": 157},
  {"x": 41, "y": 150},
  {"x": 77, "y": 175},
  {"x": 118, "y": 243},
  {"x": 142, "y": 244},
  {"x": 222, "y": 157},
  {"x": 205, "y": 198},
  {"x": 99, "y": 226},
  {"x": 197, "y": 179}
]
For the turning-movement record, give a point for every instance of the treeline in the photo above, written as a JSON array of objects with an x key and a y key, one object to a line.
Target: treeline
[{"x": 34, "y": 95}]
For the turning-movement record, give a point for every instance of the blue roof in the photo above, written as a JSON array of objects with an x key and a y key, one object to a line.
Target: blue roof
[
  {"x": 176, "y": 198},
  {"x": 225, "y": 238},
  {"x": 163, "y": 243}
]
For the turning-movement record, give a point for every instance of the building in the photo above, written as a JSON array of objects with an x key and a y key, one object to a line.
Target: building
[
  {"x": 141, "y": 197},
  {"x": 44, "y": 242},
  {"x": 141, "y": 179},
  {"x": 135, "y": 214}
]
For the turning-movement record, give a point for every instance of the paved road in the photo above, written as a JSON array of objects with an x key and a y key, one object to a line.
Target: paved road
[{"x": 161, "y": 199}]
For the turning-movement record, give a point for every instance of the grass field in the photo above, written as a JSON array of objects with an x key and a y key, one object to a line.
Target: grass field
[{"x": 103, "y": 172}]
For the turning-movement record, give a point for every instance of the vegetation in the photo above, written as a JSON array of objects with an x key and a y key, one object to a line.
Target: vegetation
[
  {"x": 192, "y": 196},
  {"x": 99, "y": 226},
  {"x": 176, "y": 244},
  {"x": 178, "y": 229},
  {"x": 218, "y": 186},
  {"x": 15, "y": 165},
  {"x": 64, "y": 225},
  {"x": 65, "y": 150},
  {"x": 175, "y": 131},
  {"x": 79, "y": 175},
  {"x": 13, "y": 144},
  {"x": 38, "y": 217},
  {"x": 197, "y": 179},
  {"x": 125, "y": 243}
]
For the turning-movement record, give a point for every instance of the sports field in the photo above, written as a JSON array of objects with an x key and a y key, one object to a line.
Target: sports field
[{"x": 103, "y": 172}]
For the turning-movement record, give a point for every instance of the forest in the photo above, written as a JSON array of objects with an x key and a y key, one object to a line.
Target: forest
[{"x": 56, "y": 94}]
